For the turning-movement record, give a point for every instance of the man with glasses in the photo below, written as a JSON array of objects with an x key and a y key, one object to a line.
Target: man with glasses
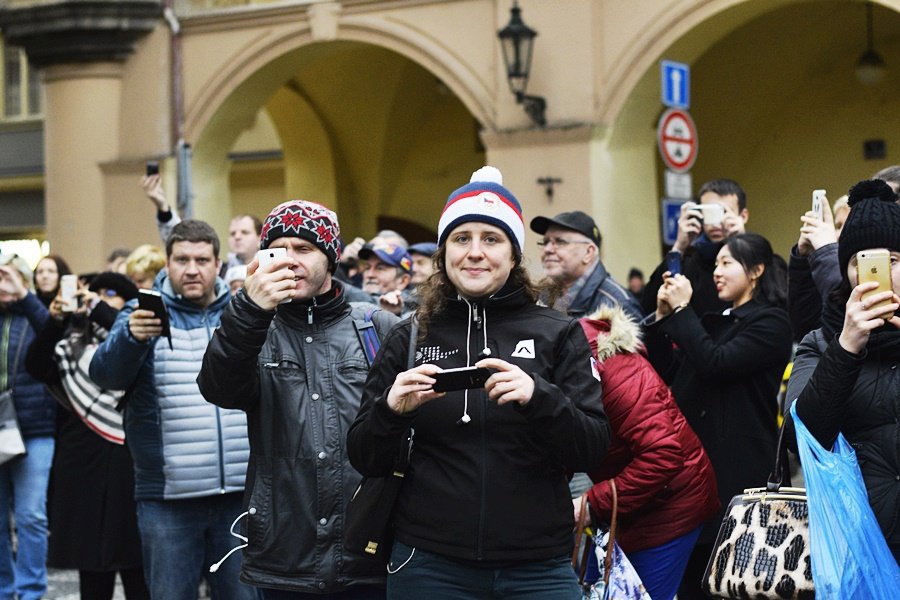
[{"x": 570, "y": 255}]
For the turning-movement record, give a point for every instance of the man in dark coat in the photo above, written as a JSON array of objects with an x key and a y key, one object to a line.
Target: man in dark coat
[
  {"x": 289, "y": 353},
  {"x": 570, "y": 255}
]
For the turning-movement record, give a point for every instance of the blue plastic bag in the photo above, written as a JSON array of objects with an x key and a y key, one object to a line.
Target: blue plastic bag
[{"x": 850, "y": 558}]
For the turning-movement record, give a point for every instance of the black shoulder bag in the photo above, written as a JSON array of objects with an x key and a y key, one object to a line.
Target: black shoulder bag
[{"x": 369, "y": 520}]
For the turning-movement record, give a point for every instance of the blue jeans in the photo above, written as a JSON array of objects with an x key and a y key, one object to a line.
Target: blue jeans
[
  {"x": 181, "y": 539},
  {"x": 23, "y": 488},
  {"x": 414, "y": 574}
]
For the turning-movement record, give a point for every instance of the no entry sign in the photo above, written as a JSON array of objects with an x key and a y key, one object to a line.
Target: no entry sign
[{"x": 677, "y": 138}]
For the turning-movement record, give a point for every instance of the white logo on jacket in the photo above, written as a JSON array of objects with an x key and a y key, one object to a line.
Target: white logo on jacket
[{"x": 524, "y": 349}]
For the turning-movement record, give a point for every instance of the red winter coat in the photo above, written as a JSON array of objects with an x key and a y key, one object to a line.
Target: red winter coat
[{"x": 665, "y": 482}]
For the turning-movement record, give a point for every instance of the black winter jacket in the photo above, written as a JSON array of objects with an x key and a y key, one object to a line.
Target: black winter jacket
[
  {"x": 493, "y": 490},
  {"x": 858, "y": 395},
  {"x": 299, "y": 374},
  {"x": 728, "y": 371}
]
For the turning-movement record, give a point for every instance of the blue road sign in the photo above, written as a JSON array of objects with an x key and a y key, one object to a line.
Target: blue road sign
[
  {"x": 676, "y": 84},
  {"x": 671, "y": 210}
]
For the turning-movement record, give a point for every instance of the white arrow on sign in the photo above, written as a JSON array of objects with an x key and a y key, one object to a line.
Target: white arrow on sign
[{"x": 675, "y": 77}]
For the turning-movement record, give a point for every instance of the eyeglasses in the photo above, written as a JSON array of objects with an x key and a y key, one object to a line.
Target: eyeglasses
[{"x": 560, "y": 242}]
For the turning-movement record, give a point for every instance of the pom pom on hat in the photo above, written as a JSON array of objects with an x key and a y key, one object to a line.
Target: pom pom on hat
[
  {"x": 487, "y": 174},
  {"x": 485, "y": 200},
  {"x": 871, "y": 188},
  {"x": 306, "y": 220},
  {"x": 874, "y": 221}
]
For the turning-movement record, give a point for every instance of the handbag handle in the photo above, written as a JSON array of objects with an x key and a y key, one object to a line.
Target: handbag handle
[
  {"x": 613, "y": 521},
  {"x": 583, "y": 516},
  {"x": 773, "y": 483}
]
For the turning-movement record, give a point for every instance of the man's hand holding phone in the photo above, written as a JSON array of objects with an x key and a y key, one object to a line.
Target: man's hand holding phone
[
  {"x": 690, "y": 225},
  {"x": 270, "y": 278},
  {"x": 144, "y": 325},
  {"x": 732, "y": 223}
]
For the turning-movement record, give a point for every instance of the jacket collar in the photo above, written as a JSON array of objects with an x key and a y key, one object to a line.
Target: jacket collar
[
  {"x": 321, "y": 309},
  {"x": 222, "y": 294},
  {"x": 507, "y": 297}
]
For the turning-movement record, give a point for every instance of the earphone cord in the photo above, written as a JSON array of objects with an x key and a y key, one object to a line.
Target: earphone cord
[{"x": 216, "y": 566}]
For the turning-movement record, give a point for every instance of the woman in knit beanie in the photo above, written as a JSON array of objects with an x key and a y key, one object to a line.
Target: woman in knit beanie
[
  {"x": 485, "y": 510},
  {"x": 846, "y": 377}
]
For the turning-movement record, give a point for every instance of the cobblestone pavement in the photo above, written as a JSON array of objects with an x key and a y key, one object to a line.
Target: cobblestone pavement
[{"x": 63, "y": 585}]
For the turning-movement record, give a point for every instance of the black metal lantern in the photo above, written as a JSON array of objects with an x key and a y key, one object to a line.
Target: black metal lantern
[{"x": 517, "y": 42}]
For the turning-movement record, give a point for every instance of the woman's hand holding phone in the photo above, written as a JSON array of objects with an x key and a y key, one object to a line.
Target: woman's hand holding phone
[
  {"x": 508, "y": 384},
  {"x": 675, "y": 291},
  {"x": 413, "y": 388},
  {"x": 863, "y": 316}
]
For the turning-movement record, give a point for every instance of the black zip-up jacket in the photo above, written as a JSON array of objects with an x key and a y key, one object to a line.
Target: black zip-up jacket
[
  {"x": 494, "y": 490},
  {"x": 298, "y": 373}
]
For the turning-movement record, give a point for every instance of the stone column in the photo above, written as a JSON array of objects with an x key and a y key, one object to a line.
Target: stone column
[{"x": 80, "y": 48}]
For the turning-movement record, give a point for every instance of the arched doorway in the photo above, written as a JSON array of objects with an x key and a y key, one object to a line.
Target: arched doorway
[
  {"x": 777, "y": 105},
  {"x": 355, "y": 126}
]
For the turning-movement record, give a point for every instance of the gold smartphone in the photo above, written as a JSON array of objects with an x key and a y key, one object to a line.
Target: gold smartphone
[{"x": 875, "y": 265}]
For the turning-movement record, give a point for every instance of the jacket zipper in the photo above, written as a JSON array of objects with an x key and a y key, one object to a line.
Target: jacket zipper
[{"x": 479, "y": 551}]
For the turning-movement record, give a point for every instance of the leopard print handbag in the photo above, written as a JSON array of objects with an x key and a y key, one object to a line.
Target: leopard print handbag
[{"x": 762, "y": 549}]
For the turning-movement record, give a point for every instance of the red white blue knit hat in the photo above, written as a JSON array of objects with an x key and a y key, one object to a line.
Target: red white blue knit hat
[
  {"x": 484, "y": 199},
  {"x": 307, "y": 220}
]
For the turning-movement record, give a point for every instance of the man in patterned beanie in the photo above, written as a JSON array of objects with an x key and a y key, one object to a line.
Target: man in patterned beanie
[{"x": 290, "y": 352}]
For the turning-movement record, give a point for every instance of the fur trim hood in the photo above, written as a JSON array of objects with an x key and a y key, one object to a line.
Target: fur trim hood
[{"x": 611, "y": 331}]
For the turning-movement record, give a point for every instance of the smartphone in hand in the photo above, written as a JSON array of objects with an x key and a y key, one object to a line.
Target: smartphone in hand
[
  {"x": 875, "y": 265},
  {"x": 152, "y": 168},
  {"x": 68, "y": 287},
  {"x": 673, "y": 263},
  {"x": 463, "y": 378},
  {"x": 270, "y": 255},
  {"x": 818, "y": 197},
  {"x": 152, "y": 300}
]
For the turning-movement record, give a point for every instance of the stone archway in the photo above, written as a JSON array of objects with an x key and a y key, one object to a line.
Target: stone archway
[{"x": 384, "y": 136}]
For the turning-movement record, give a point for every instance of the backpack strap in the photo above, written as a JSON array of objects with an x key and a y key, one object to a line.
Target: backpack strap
[{"x": 367, "y": 332}]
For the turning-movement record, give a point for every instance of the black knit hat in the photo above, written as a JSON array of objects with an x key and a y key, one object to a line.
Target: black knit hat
[
  {"x": 306, "y": 220},
  {"x": 874, "y": 221},
  {"x": 117, "y": 282}
]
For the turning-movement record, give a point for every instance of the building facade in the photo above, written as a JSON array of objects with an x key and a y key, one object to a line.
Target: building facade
[{"x": 380, "y": 108}]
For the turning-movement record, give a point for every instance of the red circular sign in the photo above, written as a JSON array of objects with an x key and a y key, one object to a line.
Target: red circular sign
[{"x": 676, "y": 135}]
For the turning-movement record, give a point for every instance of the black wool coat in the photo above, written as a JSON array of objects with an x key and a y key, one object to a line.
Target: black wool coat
[{"x": 725, "y": 375}]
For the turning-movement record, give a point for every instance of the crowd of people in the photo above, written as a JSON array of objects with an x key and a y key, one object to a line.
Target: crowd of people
[{"x": 222, "y": 441}]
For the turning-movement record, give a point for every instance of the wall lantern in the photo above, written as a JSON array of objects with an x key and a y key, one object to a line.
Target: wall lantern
[
  {"x": 870, "y": 66},
  {"x": 517, "y": 41}
]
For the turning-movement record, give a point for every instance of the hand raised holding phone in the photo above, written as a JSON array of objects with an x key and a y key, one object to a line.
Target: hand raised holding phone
[{"x": 270, "y": 278}]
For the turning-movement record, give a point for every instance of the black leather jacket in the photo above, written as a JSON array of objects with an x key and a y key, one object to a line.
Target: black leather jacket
[{"x": 299, "y": 374}]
